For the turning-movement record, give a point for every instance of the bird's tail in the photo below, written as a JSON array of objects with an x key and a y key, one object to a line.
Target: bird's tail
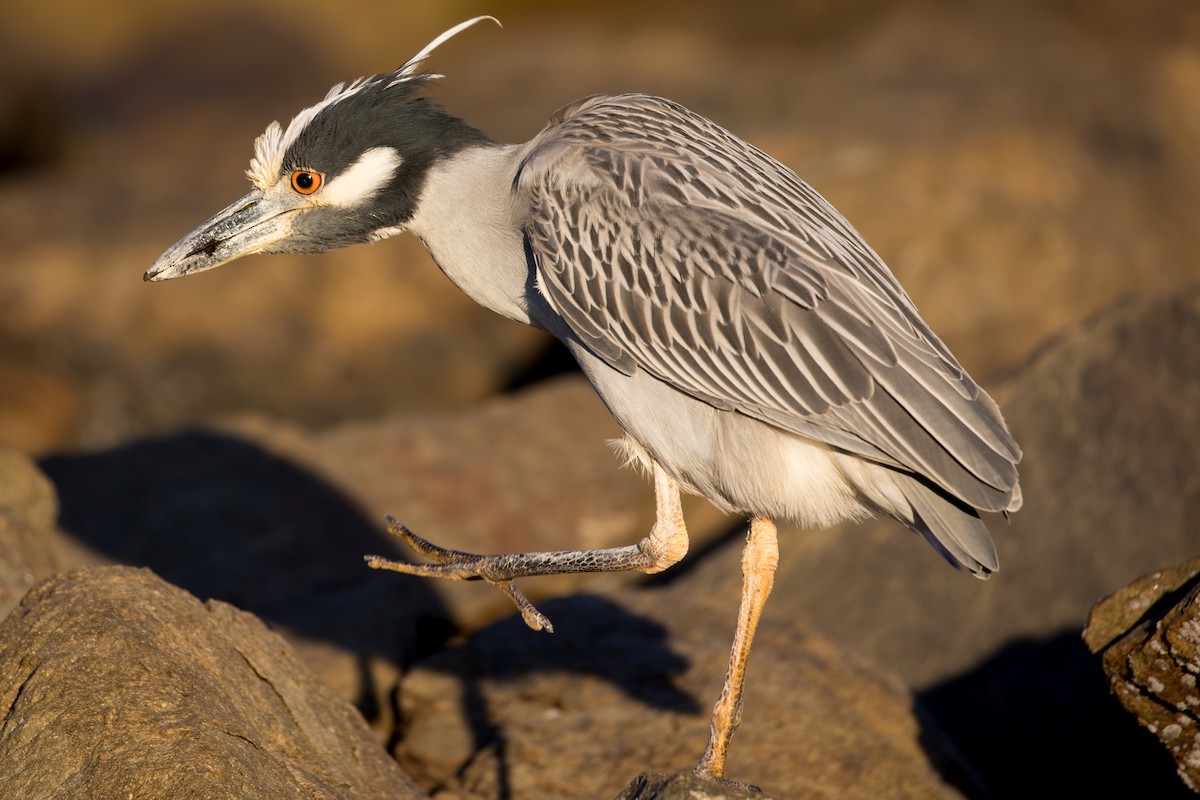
[{"x": 951, "y": 526}]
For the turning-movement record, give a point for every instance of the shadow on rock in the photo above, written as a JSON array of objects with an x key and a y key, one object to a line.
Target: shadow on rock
[
  {"x": 595, "y": 638},
  {"x": 224, "y": 519},
  {"x": 1037, "y": 718}
]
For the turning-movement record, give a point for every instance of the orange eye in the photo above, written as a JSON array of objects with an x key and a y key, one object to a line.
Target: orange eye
[{"x": 305, "y": 181}]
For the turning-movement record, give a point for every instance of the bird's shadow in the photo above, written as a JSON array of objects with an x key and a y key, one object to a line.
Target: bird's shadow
[
  {"x": 224, "y": 518},
  {"x": 593, "y": 637}
]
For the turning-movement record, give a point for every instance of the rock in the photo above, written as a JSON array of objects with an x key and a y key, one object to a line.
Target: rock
[
  {"x": 1146, "y": 601},
  {"x": 627, "y": 681},
  {"x": 26, "y": 493},
  {"x": 116, "y": 684},
  {"x": 28, "y": 507},
  {"x": 1148, "y": 638},
  {"x": 654, "y": 785}
]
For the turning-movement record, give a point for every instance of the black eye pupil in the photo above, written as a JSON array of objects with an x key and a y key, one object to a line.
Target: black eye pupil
[{"x": 304, "y": 180}]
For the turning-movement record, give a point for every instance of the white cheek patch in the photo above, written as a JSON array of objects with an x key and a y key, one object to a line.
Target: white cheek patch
[{"x": 363, "y": 179}]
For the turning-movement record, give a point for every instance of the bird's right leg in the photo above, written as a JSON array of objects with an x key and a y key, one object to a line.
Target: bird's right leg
[
  {"x": 666, "y": 544},
  {"x": 759, "y": 560}
]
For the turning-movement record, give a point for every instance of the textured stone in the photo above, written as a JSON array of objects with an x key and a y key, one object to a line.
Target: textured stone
[
  {"x": 276, "y": 519},
  {"x": 1148, "y": 638},
  {"x": 116, "y": 684},
  {"x": 28, "y": 507},
  {"x": 653, "y": 785},
  {"x": 25, "y": 492}
]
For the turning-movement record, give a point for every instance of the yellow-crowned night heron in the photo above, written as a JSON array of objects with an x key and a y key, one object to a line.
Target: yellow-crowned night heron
[{"x": 752, "y": 346}]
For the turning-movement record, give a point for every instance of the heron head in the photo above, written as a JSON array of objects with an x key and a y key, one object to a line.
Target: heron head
[{"x": 347, "y": 170}]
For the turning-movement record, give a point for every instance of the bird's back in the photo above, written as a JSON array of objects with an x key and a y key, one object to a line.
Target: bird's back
[{"x": 671, "y": 246}]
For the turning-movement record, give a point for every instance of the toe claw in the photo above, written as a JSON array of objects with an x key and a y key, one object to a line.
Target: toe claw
[
  {"x": 380, "y": 562},
  {"x": 422, "y": 545},
  {"x": 532, "y": 617}
]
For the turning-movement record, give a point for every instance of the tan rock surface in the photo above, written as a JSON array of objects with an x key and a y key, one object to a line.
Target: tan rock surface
[
  {"x": 116, "y": 684},
  {"x": 28, "y": 508}
]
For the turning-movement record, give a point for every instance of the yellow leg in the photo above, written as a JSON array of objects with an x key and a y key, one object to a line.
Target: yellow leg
[{"x": 759, "y": 560}]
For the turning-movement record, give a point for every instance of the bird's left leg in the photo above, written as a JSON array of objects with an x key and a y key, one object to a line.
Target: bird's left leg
[{"x": 666, "y": 543}]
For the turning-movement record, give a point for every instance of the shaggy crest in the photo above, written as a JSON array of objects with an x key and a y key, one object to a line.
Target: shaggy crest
[{"x": 270, "y": 147}]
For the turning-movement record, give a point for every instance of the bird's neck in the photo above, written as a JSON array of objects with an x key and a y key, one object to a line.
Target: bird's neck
[{"x": 469, "y": 223}]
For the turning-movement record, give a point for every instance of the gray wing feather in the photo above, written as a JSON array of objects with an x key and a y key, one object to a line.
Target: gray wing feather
[
  {"x": 671, "y": 246},
  {"x": 955, "y": 532}
]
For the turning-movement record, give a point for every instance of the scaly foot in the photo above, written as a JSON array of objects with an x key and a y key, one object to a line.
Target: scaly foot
[
  {"x": 666, "y": 543},
  {"x": 457, "y": 565}
]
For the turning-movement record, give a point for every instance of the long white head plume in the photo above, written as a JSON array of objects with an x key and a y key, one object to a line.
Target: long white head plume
[
  {"x": 410, "y": 67},
  {"x": 270, "y": 147}
]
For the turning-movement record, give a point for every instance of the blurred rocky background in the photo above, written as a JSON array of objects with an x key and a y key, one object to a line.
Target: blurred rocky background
[{"x": 1028, "y": 169}]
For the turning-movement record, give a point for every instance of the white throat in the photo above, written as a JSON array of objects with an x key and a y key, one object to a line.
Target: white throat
[{"x": 471, "y": 226}]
